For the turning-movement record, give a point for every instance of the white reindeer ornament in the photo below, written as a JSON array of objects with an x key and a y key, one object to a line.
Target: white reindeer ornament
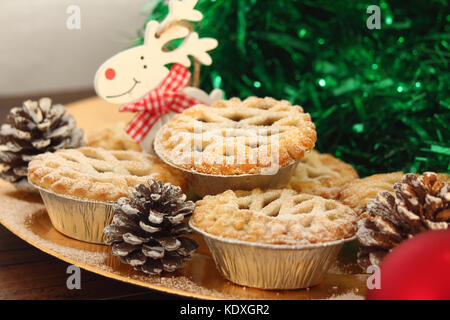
[{"x": 138, "y": 77}]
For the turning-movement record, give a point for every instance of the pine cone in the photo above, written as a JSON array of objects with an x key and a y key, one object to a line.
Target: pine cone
[
  {"x": 34, "y": 128},
  {"x": 147, "y": 226},
  {"x": 420, "y": 203}
]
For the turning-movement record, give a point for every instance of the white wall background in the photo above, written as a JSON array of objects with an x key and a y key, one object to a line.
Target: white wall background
[{"x": 38, "y": 53}]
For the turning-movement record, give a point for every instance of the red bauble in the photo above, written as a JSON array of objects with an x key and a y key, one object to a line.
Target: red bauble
[{"x": 419, "y": 268}]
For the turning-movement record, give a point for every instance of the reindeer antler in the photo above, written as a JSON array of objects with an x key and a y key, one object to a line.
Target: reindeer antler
[
  {"x": 151, "y": 34},
  {"x": 191, "y": 46},
  {"x": 180, "y": 10},
  {"x": 170, "y": 29}
]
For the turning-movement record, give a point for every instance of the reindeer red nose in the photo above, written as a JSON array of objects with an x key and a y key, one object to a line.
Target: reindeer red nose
[{"x": 110, "y": 73}]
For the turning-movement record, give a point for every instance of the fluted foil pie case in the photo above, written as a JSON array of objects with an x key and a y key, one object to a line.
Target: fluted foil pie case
[
  {"x": 271, "y": 266},
  {"x": 78, "y": 218},
  {"x": 206, "y": 184},
  {"x": 209, "y": 184}
]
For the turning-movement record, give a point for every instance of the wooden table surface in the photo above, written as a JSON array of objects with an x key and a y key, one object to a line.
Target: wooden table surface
[{"x": 28, "y": 273}]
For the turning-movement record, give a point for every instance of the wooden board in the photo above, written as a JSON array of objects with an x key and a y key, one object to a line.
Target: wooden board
[{"x": 24, "y": 214}]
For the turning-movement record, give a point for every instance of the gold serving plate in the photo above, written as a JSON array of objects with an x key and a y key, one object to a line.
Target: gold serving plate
[{"x": 25, "y": 215}]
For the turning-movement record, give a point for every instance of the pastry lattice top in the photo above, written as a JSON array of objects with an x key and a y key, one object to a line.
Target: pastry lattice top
[
  {"x": 98, "y": 174},
  {"x": 278, "y": 216},
  {"x": 322, "y": 175},
  {"x": 237, "y": 137},
  {"x": 357, "y": 193},
  {"x": 111, "y": 137}
]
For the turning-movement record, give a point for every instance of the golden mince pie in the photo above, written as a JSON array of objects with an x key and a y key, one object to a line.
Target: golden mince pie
[
  {"x": 232, "y": 137},
  {"x": 276, "y": 216},
  {"x": 322, "y": 175},
  {"x": 98, "y": 174},
  {"x": 111, "y": 137},
  {"x": 357, "y": 194}
]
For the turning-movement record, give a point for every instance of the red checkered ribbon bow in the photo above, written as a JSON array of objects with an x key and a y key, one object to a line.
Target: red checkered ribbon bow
[{"x": 167, "y": 97}]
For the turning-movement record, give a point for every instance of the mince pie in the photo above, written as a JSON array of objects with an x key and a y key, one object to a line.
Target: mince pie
[
  {"x": 322, "y": 175},
  {"x": 98, "y": 174},
  {"x": 234, "y": 137},
  {"x": 357, "y": 194},
  {"x": 111, "y": 137},
  {"x": 276, "y": 216}
]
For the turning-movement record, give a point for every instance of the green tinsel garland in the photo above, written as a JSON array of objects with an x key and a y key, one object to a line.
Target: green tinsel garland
[{"x": 379, "y": 98}]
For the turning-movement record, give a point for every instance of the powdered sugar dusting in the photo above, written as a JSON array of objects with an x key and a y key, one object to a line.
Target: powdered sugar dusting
[
  {"x": 22, "y": 215},
  {"x": 19, "y": 215},
  {"x": 347, "y": 296},
  {"x": 25, "y": 215}
]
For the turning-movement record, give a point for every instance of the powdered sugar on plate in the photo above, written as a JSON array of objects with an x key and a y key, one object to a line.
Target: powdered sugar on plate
[{"x": 25, "y": 215}]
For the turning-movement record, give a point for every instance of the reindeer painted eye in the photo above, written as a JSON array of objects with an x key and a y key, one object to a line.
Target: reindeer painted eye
[
  {"x": 142, "y": 57},
  {"x": 110, "y": 73},
  {"x": 145, "y": 66}
]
